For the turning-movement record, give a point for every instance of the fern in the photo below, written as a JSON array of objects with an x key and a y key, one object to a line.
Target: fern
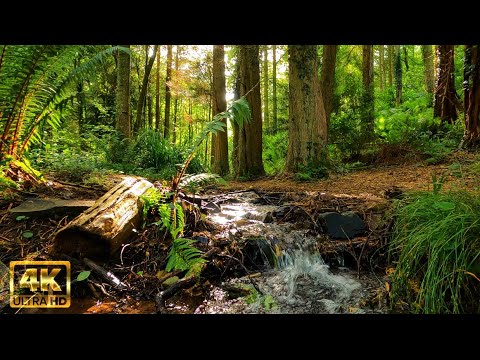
[
  {"x": 37, "y": 85},
  {"x": 183, "y": 255},
  {"x": 238, "y": 112},
  {"x": 192, "y": 182}
]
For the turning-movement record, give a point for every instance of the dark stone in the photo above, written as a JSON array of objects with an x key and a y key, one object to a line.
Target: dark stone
[
  {"x": 342, "y": 226},
  {"x": 282, "y": 211},
  {"x": 213, "y": 208},
  {"x": 259, "y": 254},
  {"x": 268, "y": 218}
]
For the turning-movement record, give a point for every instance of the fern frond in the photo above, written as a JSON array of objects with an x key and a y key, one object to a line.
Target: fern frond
[
  {"x": 183, "y": 255},
  {"x": 191, "y": 181},
  {"x": 239, "y": 112}
]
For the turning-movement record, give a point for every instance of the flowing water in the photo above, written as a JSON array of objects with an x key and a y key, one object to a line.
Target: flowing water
[{"x": 300, "y": 281}]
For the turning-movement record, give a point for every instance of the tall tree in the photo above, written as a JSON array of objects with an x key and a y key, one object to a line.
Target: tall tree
[
  {"x": 398, "y": 75},
  {"x": 143, "y": 92},
  {"x": 266, "y": 115},
  {"x": 274, "y": 89},
  {"x": 123, "y": 123},
  {"x": 472, "y": 96},
  {"x": 445, "y": 99},
  {"x": 381, "y": 71},
  {"x": 307, "y": 131},
  {"x": 368, "y": 96},
  {"x": 157, "y": 93},
  {"x": 175, "y": 106},
  {"x": 250, "y": 134},
  {"x": 429, "y": 78},
  {"x": 390, "y": 66},
  {"x": 150, "y": 111},
  {"x": 327, "y": 80},
  {"x": 220, "y": 140},
  {"x": 166, "y": 128}
]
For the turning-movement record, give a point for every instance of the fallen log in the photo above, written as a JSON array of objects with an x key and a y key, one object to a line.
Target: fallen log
[
  {"x": 48, "y": 207},
  {"x": 101, "y": 230},
  {"x": 106, "y": 275}
]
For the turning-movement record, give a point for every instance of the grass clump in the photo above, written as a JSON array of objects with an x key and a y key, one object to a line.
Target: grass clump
[{"x": 436, "y": 245}]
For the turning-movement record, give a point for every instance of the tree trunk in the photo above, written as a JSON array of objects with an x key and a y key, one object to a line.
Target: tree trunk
[
  {"x": 427, "y": 55},
  {"x": 266, "y": 115},
  {"x": 143, "y": 91},
  {"x": 166, "y": 128},
  {"x": 405, "y": 57},
  {"x": 149, "y": 112},
  {"x": 390, "y": 66},
  {"x": 274, "y": 89},
  {"x": 236, "y": 96},
  {"x": 398, "y": 75},
  {"x": 472, "y": 96},
  {"x": 250, "y": 133},
  {"x": 157, "y": 93},
  {"x": 327, "y": 80},
  {"x": 307, "y": 131},
  {"x": 368, "y": 95},
  {"x": 445, "y": 95},
  {"x": 220, "y": 140},
  {"x": 175, "y": 104},
  {"x": 123, "y": 123},
  {"x": 102, "y": 229},
  {"x": 381, "y": 70}
]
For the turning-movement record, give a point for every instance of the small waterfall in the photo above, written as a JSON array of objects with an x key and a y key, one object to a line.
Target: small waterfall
[{"x": 301, "y": 282}]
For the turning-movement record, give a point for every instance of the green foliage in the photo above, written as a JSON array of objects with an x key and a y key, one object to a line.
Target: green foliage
[
  {"x": 83, "y": 275},
  {"x": 182, "y": 254},
  {"x": 27, "y": 234},
  {"x": 275, "y": 148},
  {"x": 38, "y": 84},
  {"x": 436, "y": 242},
  {"x": 192, "y": 183}
]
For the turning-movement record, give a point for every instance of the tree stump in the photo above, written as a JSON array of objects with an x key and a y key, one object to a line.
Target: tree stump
[{"x": 102, "y": 229}]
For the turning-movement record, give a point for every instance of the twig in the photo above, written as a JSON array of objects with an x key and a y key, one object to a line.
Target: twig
[{"x": 107, "y": 275}]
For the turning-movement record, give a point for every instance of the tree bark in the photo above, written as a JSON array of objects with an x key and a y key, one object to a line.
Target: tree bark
[
  {"x": 274, "y": 89},
  {"x": 429, "y": 78},
  {"x": 157, "y": 93},
  {"x": 220, "y": 140},
  {"x": 390, "y": 66},
  {"x": 102, "y": 229},
  {"x": 250, "y": 162},
  {"x": 445, "y": 95},
  {"x": 236, "y": 96},
  {"x": 368, "y": 95},
  {"x": 123, "y": 123},
  {"x": 307, "y": 131},
  {"x": 472, "y": 96},
  {"x": 175, "y": 105},
  {"x": 327, "y": 80},
  {"x": 398, "y": 75},
  {"x": 266, "y": 115},
  {"x": 381, "y": 71},
  {"x": 149, "y": 111},
  {"x": 166, "y": 128},
  {"x": 143, "y": 91}
]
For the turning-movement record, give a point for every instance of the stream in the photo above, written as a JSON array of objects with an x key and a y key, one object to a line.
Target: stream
[{"x": 295, "y": 278}]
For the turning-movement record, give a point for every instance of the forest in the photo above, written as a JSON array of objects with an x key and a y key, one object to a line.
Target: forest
[{"x": 240, "y": 179}]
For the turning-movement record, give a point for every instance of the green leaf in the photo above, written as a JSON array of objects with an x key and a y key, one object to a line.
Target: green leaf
[
  {"x": 140, "y": 273},
  {"x": 21, "y": 217},
  {"x": 27, "y": 234},
  {"x": 83, "y": 275},
  {"x": 444, "y": 205}
]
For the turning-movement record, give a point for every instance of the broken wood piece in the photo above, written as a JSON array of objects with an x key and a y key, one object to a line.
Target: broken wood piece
[
  {"x": 47, "y": 207},
  {"x": 107, "y": 275},
  {"x": 102, "y": 229}
]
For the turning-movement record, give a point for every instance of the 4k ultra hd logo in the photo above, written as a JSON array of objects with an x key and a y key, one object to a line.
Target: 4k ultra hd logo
[{"x": 40, "y": 284}]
